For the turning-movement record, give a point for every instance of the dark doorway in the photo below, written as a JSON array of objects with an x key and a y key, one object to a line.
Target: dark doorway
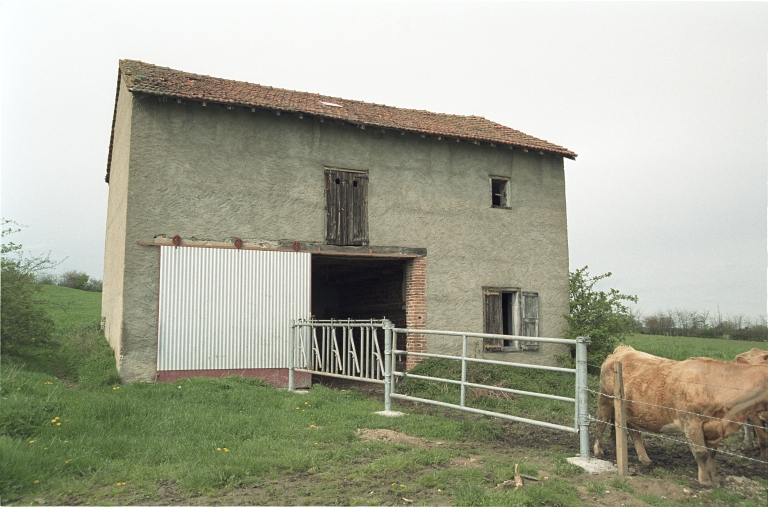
[{"x": 350, "y": 287}]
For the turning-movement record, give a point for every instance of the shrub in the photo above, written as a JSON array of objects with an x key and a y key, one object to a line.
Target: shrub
[
  {"x": 79, "y": 280},
  {"x": 74, "y": 280},
  {"x": 23, "y": 316},
  {"x": 47, "y": 279},
  {"x": 602, "y": 316}
]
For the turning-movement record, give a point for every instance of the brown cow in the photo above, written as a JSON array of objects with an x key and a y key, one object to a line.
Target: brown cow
[
  {"x": 705, "y": 399},
  {"x": 756, "y": 421}
]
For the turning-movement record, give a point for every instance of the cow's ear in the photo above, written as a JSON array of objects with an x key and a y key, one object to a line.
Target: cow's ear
[{"x": 742, "y": 360}]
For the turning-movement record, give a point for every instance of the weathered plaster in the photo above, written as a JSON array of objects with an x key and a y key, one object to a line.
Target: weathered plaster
[
  {"x": 114, "y": 247},
  {"x": 213, "y": 173}
]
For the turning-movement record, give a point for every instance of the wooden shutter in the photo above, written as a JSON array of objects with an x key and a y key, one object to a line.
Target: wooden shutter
[
  {"x": 358, "y": 209},
  {"x": 493, "y": 321},
  {"x": 332, "y": 200},
  {"x": 346, "y": 208},
  {"x": 530, "y": 320}
]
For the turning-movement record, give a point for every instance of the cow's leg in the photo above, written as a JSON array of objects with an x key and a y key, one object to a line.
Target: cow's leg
[
  {"x": 711, "y": 465},
  {"x": 604, "y": 416},
  {"x": 695, "y": 435},
  {"x": 748, "y": 442},
  {"x": 637, "y": 439},
  {"x": 762, "y": 434}
]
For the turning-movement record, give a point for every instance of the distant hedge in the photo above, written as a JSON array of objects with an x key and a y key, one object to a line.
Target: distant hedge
[{"x": 73, "y": 279}]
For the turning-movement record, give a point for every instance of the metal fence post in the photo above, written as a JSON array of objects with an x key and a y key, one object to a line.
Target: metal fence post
[
  {"x": 582, "y": 400},
  {"x": 388, "y": 365},
  {"x": 464, "y": 370},
  {"x": 291, "y": 385}
]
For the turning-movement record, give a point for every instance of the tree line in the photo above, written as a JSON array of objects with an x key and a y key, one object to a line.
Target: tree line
[
  {"x": 73, "y": 279},
  {"x": 702, "y": 324}
]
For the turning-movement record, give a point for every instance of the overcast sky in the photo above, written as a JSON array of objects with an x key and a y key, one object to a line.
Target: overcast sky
[{"x": 665, "y": 103}]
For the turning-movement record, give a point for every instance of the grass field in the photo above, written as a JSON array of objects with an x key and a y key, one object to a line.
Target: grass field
[
  {"x": 70, "y": 433},
  {"x": 69, "y": 307},
  {"x": 681, "y": 347}
]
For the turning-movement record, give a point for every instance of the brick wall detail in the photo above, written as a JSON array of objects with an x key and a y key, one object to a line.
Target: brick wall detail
[{"x": 416, "y": 307}]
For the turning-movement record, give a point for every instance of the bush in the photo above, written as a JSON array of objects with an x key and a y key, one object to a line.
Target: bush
[
  {"x": 47, "y": 279},
  {"x": 74, "y": 280},
  {"x": 23, "y": 316},
  {"x": 79, "y": 280},
  {"x": 602, "y": 316}
]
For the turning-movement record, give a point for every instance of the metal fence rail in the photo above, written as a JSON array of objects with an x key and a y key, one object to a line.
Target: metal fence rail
[
  {"x": 352, "y": 349},
  {"x": 580, "y": 399}
]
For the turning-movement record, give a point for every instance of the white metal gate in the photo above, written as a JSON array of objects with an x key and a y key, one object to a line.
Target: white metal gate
[
  {"x": 351, "y": 349},
  {"x": 229, "y": 309}
]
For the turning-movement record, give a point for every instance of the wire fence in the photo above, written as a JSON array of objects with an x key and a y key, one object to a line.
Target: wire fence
[
  {"x": 678, "y": 410},
  {"x": 675, "y": 439}
]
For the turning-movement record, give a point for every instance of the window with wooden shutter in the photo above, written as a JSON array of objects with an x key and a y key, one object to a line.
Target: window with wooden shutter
[
  {"x": 493, "y": 320},
  {"x": 510, "y": 312},
  {"x": 346, "y": 207},
  {"x": 530, "y": 320}
]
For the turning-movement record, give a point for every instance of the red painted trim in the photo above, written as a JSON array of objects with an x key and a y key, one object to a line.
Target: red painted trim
[
  {"x": 275, "y": 376},
  {"x": 157, "y": 322}
]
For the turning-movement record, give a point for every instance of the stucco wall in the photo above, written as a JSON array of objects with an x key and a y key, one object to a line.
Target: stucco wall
[
  {"x": 114, "y": 246},
  {"x": 213, "y": 173}
]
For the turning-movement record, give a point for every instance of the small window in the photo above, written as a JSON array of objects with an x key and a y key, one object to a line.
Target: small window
[
  {"x": 510, "y": 312},
  {"x": 499, "y": 192}
]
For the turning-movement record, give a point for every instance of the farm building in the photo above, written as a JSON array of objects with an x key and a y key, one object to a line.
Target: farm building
[{"x": 235, "y": 208}]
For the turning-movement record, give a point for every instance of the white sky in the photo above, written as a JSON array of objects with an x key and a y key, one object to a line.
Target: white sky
[{"x": 665, "y": 103}]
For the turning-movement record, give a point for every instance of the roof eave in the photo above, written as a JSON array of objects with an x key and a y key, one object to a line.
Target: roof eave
[{"x": 199, "y": 98}]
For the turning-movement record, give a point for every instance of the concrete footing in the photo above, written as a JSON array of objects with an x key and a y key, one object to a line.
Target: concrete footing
[
  {"x": 593, "y": 465},
  {"x": 390, "y": 413}
]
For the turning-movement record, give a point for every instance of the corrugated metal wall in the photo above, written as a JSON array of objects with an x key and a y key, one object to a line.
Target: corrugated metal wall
[{"x": 225, "y": 308}]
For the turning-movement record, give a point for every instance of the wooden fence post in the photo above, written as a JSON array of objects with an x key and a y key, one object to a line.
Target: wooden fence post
[{"x": 620, "y": 420}]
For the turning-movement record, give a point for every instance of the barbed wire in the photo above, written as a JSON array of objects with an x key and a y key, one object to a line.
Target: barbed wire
[
  {"x": 670, "y": 408},
  {"x": 624, "y": 372},
  {"x": 689, "y": 443}
]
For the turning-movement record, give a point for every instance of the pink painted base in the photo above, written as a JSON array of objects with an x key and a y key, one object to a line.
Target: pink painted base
[{"x": 275, "y": 376}]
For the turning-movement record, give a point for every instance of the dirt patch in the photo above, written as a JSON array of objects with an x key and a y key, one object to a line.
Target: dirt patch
[
  {"x": 467, "y": 461},
  {"x": 395, "y": 437}
]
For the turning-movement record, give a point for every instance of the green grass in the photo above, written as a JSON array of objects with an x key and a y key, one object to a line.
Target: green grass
[
  {"x": 682, "y": 347},
  {"x": 68, "y": 307},
  {"x": 71, "y": 433}
]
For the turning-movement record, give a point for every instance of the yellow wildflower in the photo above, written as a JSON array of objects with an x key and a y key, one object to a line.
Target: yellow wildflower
[
  {"x": 312, "y": 426},
  {"x": 36, "y": 481},
  {"x": 31, "y": 441},
  {"x": 218, "y": 448},
  {"x": 58, "y": 424},
  {"x": 226, "y": 450}
]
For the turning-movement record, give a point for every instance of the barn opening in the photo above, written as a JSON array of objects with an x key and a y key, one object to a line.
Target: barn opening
[
  {"x": 348, "y": 287},
  {"x": 358, "y": 288}
]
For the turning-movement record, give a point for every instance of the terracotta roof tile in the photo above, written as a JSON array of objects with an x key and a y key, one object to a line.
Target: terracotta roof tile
[{"x": 146, "y": 78}]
